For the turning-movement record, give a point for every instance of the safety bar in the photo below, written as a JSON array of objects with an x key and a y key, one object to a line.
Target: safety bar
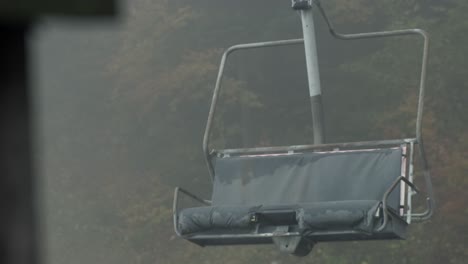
[
  {"x": 385, "y": 197},
  {"x": 175, "y": 205},
  {"x": 280, "y": 149}
]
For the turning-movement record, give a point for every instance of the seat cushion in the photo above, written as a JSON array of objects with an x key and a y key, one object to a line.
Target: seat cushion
[
  {"x": 320, "y": 216},
  {"x": 199, "y": 219},
  {"x": 337, "y": 215}
]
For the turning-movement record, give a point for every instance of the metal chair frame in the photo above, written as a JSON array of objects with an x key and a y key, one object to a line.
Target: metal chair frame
[{"x": 407, "y": 178}]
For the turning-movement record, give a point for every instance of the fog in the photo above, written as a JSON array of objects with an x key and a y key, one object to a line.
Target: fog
[{"x": 121, "y": 107}]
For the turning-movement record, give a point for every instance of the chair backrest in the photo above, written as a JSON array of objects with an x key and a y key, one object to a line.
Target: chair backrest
[{"x": 289, "y": 179}]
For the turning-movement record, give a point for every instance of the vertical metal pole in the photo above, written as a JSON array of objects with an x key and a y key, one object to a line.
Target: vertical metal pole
[{"x": 313, "y": 76}]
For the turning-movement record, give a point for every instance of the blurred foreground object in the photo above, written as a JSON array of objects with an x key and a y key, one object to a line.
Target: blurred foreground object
[
  {"x": 18, "y": 225},
  {"x": 31, "y": 9}
]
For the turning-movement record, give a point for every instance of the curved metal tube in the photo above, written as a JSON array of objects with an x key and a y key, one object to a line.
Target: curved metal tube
[
  {"x": 385, "y": 197},
  {"x": 392, "y": 33},
  {"x": 217, "y": 89}
]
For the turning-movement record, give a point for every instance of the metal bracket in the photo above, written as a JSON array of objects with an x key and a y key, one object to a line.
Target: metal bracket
[
  {"x": 295, "y": 245},
  {"x": 301, "y": 4}
]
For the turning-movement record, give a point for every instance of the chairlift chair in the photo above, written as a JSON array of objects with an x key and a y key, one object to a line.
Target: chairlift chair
[{"x": 296, "y": 196}]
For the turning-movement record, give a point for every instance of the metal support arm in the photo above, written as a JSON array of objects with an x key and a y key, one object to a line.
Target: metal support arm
[{"x": 391, "y": 33}]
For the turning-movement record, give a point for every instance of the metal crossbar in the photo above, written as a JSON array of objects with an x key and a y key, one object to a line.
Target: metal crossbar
[{"x": 349, "y": 145}]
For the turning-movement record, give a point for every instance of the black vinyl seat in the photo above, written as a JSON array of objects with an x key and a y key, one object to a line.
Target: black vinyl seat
[
  {"x": 320, "y": 196},
  {"x": 342, "y": 215},
  {"x": 199, "y": 219},
  {"x": 309, "y": 217}
]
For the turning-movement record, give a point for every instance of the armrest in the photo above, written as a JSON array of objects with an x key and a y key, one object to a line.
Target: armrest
[
  {"x": 175, "y": 205},
  {"x": 385, "y": 197}
]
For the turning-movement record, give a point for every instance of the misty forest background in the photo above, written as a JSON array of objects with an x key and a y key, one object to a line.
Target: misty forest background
[{"x": 121, "y": 108}]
